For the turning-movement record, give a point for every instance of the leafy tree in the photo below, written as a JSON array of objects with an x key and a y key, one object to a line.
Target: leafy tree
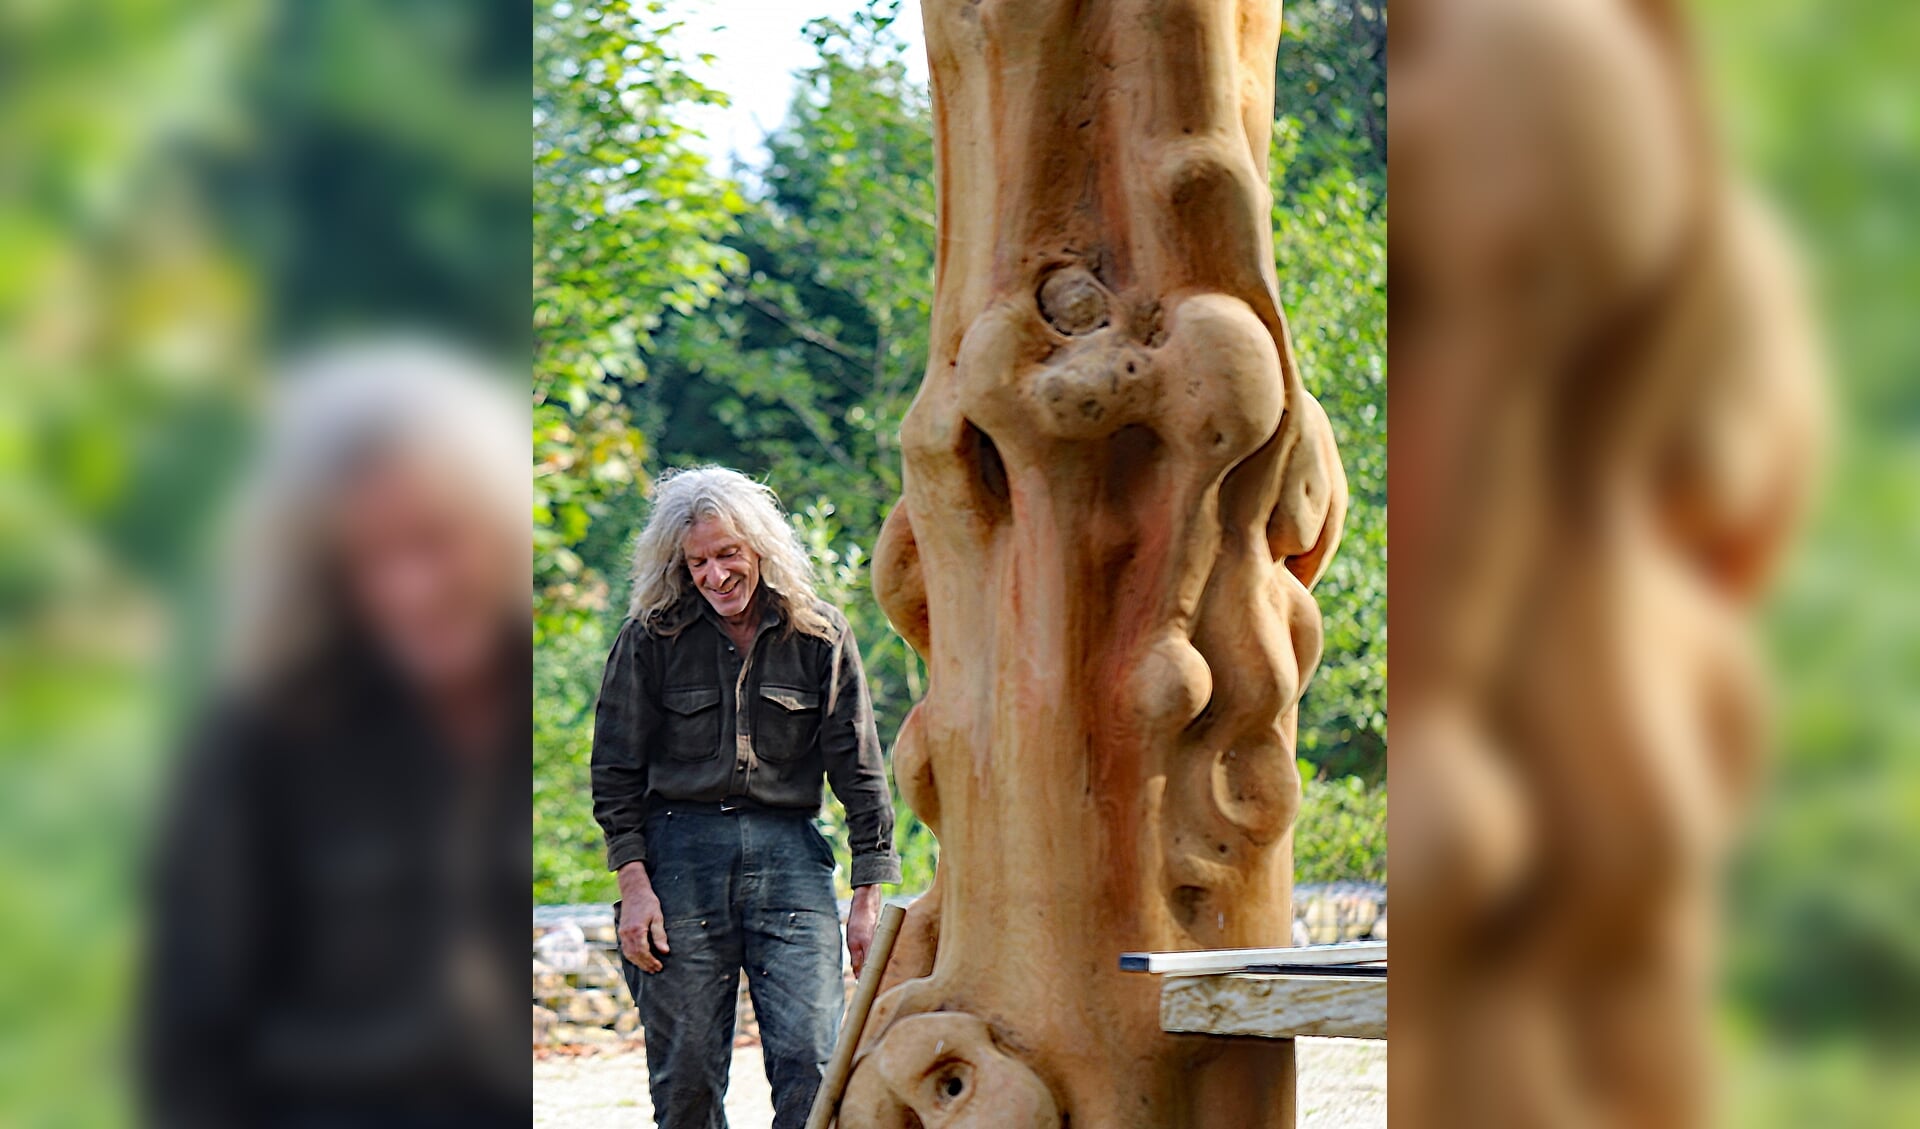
[
  {"x": 384, "y": 185},
  {"x": 1332, "y": 79},
  {"x": 627, "y": 223},
  {"x": 1341, "y": 832},
  {"x": 1823, "y": 953},
  {"x": 1330, "y": 238}
]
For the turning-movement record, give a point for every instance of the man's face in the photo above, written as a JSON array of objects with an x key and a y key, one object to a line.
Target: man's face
[
  {"x": 426, "y": 570},
  {"x": 723, "y": 567}
]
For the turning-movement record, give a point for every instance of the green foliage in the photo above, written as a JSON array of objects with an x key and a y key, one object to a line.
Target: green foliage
[
  {"x": 1826, "y": 937},
  {"x": 1329, "y": 172},
  {"x": 387, "y": 188},
  {"x": 1824, "y": 929},
  {"x": 1837, "y": 1085},
  {"x": 1826, "y": 945},
  {"x": 626, "y": 226},
  {"x": 1330, "y": 237},
  {"x": 1341, "y": 832},
  {"x": 1332, "y": 79},
  {"x": 568, "y": 852}
]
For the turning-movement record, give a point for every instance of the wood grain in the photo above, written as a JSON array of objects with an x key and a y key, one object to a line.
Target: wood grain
[
  {"x": 1117, "y": 493},
  {"x": 1274, "y": 1007}
]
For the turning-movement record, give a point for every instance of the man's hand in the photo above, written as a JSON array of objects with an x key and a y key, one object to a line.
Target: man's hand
[
  {"x": 642, "y": 929},
  {"x": 862, "y": 917}
]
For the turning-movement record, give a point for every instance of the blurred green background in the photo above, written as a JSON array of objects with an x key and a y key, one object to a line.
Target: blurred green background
[
  {"x": 1821, "y": 103},
  {"x": 773, "y": 316}
]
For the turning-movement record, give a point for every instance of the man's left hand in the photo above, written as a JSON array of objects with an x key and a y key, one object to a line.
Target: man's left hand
[{"x": 863, "y": 916}]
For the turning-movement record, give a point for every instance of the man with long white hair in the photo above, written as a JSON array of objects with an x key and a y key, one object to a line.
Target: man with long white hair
[
  {"x": 342, "y": 872},
  {"x": 732, "y": 690}
]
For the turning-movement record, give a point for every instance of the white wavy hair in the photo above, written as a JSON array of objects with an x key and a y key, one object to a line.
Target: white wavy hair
[
  {"x": 681, "y": 498},
  {"x": 333, "y": 412}
]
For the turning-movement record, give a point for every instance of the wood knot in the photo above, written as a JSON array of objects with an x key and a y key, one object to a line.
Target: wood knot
[{"x": 1073, "y": 301}]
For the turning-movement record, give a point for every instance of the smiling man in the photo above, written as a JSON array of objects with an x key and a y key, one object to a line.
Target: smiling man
[{"x": 731, "y": 693}]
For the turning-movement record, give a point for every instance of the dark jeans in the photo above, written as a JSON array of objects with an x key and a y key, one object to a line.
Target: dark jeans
[{"x": 750, "y": 890}]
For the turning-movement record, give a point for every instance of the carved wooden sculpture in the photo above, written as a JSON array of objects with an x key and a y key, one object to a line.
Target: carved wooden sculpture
[{"x": 1117, "y": 492}]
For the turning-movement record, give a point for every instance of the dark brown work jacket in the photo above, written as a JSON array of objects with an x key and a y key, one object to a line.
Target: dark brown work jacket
[{"x": 683, "y": 716}]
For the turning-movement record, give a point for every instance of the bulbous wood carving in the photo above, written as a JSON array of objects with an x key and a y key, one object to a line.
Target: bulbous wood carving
[
  {"x": 1606, "y": 404},
  {"x": 1117, "y": 494}
]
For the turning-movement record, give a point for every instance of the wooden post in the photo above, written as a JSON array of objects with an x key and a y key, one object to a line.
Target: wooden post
[
  {"x": 1117, "y": 493},
  {"x": 827, "y": 1098}
]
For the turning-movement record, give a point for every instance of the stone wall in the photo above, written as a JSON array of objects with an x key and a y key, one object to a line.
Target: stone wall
[{"x": 580, "y": 997}]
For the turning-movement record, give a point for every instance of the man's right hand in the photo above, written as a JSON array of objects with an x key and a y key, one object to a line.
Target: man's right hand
[{"x": 643, "y": 930}]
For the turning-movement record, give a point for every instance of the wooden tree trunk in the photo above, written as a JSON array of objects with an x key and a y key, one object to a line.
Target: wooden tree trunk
[{"x": 1117, "y": 492}]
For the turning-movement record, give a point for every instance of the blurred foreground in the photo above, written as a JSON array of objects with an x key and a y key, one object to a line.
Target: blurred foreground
[
  {"x": 316, "y": 566},
  {"x": 343, "y": 873},
  {"x": 1612, "y": 417}
]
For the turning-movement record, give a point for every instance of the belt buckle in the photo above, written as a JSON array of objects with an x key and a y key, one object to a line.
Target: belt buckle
[{"x": 730, "y": 805}]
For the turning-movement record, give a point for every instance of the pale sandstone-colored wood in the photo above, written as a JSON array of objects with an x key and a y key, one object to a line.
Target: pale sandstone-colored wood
[
  {"x": 1274, "y": 1007},
  {"x": 1117, "y": 493}
]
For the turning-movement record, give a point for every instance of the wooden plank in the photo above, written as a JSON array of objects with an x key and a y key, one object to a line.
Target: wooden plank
[
  {"x": 1274, "y": 1007},
  {"x": 1242, "y": 960}
]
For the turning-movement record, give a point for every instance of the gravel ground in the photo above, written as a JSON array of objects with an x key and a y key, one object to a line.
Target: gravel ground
[
  {"x": 609, "y": 1091},
  {"x": 1343, "y": 1085}
]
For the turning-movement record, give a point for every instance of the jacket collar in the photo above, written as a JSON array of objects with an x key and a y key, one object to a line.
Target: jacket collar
[{"x": 771, "y": 614}]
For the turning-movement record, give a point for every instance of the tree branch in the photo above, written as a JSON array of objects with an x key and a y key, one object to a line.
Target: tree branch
[
  {"x": 811, "y": 336},
  {"x": 820, "y": 433}
]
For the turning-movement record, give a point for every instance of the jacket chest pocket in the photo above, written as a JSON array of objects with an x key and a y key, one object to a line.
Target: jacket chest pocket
[
  {"x": 785, "y": 723},
  {"x": 692, "y": 727}
]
